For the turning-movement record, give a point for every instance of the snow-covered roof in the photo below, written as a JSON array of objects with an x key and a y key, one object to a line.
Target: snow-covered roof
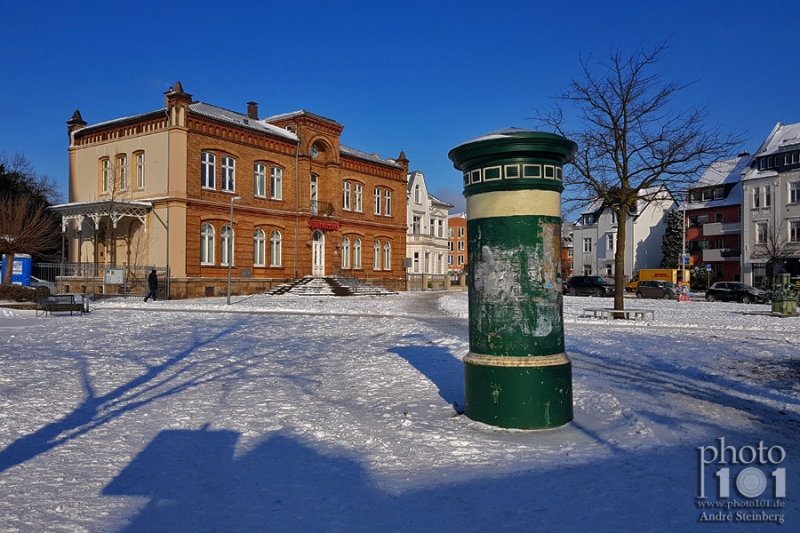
[
  {"x": 239, "y": 119},
  {"x": 441, "y": 203},
  {"x": 131, "y": 118},
  {"x": 723, "y": 172},
  {"x": 298, "y": 113},
  {"x": 645, "y": 197},
  {"x": 781, "y": 137},
  {"x": 352, "y": 152}
]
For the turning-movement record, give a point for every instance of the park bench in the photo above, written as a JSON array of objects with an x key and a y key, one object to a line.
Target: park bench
[
  {"x": 59, "y": 302},
  {"x": 609, "y": 313}
]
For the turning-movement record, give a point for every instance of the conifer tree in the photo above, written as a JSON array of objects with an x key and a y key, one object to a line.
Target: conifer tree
[{"x": 672, "y": 244}]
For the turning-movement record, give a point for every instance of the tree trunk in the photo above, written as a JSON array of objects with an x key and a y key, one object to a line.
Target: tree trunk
[
  {"x": 9, "y": 269},
  {"x": 619, "y": 262}
]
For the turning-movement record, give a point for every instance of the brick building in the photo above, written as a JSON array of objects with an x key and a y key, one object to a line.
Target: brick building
[
  {"x": 457, "y": 257},
  {"x": 161, "y": 188}
]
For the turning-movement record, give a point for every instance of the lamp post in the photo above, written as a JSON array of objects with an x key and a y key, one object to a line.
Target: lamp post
[{"x": 230, "y": 249}]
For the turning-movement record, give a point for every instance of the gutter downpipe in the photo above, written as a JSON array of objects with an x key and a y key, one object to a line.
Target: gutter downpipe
[
  {"x": 167, "y": 277},
  {"x": 296, "y": 204}
]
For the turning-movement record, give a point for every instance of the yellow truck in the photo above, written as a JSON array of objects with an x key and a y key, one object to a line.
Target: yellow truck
[{"x": 663, "y": 274}]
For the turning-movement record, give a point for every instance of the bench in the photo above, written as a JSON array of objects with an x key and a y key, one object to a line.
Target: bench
[
  {"x": 608, "y": 313},
  {"x": 59, "y": 302}
]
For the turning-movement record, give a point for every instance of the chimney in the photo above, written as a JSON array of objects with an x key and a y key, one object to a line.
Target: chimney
[
  {"x": 744, "y": 154},
  {"x": 252, "y": 110}
]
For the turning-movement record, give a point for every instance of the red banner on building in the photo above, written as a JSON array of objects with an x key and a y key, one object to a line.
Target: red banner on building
[{"x": 319, "y": 224}]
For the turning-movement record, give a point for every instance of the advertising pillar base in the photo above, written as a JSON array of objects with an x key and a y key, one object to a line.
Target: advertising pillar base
[{"x": 518, "y": 392}]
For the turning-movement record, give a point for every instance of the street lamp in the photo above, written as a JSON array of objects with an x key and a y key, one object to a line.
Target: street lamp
[{"x": 230, "y": 248}]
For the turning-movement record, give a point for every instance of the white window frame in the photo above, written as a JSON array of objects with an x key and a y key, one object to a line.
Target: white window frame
[
  {"x": 122, "y": 161},
  {"x": 207, "y": 240},
  {"x": 259, "y": 247},
  {"x": 276, "y": 183},
  {"x": 357, "y": 253},
  {"x": 275, "y": 248},
  {"x": 761, "y": 232},
  {"x": 587, "y": 245},
  {"x": 387, "y": 256},
  {"x": 460, "y": 246},
  {"x": 226, "y": 245},
  {"x": 460, "y": 232},
  {"x": 345, "y": 253},
  {"x": 756, "y": 196},
  {"x": 416, "y": 224},
  {"x": 260, "y": 180},
  {"x": 358, "y": 194},
  {"x": 417, "y": 194},
  {"x": 376, "y": 253},
  {"x": 107, "y": 175},
  {"x": 460, "y": 259},
  {"x": 794, "y": 230},
  {"x": 794, "y": 192},
  {"x": 387, "y": 195},
  {"x": 228, "y": 174},
  {"x": 208, "y": 170},
  {"x": 377, "y": 201},
  {"x": 346, "y": 196},
  {"x": 140, "y": 170}
]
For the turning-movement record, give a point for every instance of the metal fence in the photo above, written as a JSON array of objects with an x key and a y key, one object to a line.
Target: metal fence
[
  {"x": 100, "y": 281},
  {"x": 426, "y": 282}
]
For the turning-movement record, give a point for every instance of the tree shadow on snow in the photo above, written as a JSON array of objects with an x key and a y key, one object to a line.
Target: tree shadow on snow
[
  {"x": 159, "y": 381},
  {"x": 194, "y": 482}
]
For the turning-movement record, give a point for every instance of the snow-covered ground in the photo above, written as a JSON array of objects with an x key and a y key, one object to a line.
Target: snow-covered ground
[{"x": 310, "y": 414}]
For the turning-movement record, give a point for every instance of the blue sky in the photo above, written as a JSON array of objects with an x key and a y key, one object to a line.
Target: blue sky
[{"x": 420, "y": 77}]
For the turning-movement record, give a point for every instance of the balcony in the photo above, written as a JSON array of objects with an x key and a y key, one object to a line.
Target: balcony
[
  {"x": 720, "y": 228},
  {"x": 321, "y": 208},
  {"x": 721, "y": 254}
]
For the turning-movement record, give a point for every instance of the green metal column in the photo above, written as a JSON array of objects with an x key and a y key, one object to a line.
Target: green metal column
[{"x": 516, "y": 374}]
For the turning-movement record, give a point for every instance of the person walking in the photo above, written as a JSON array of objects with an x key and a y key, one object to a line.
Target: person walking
[{"x": 152, "y": 282}]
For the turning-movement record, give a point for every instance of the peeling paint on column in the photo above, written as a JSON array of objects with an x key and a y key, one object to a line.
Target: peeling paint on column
[{"x": 517, "y": 287}]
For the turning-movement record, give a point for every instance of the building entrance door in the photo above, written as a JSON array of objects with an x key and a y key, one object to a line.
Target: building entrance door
[{"x": 318, "y": 254}]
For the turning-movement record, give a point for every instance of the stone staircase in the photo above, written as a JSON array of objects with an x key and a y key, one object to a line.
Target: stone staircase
[{"x": 329, "y": 286}]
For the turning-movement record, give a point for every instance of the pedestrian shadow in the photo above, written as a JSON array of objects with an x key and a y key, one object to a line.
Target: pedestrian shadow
[{"x": 440, "y": 367}]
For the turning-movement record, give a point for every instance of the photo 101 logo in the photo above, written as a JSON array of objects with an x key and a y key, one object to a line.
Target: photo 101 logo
[{"x": 755, "y": 473}]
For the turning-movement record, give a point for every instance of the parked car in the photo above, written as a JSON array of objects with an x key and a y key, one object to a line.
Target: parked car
[
  {"x": 36, "y": 282},
  {"x": 589, "y": 286},
  {"x": 657, "y": 289},
  {"x": 730, "y": 291}
]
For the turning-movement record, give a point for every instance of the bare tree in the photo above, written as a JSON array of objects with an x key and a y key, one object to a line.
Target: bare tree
[
  {"x": 18, "y": 178},
  {"x": 774, "y": 245},
  {"x": 25, "y": 228},
  {"x": 629, "y": 138}
]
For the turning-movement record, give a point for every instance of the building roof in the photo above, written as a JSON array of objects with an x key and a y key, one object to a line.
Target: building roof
[
  {"x": 441, "y": 203},
  {"x": 239, "y": 119},
  {"x": 262, "y": 125},
  {"x": 725, "y": 172},
  {"x": 645, "y": 197},
  {"x": 352, "y": 152},
  {"x": 781, "y": 138}
]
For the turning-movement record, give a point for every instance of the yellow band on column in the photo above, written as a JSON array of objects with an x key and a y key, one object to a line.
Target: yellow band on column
[{"x": 514, "y": 203}]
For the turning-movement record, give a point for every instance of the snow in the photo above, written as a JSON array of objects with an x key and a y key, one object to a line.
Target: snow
[{"x": 289, "y": 413}]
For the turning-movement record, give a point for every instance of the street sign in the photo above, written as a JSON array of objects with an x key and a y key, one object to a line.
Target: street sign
[{"x": 708, "y": 267}]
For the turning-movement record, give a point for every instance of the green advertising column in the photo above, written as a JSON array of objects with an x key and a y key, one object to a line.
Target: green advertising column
[{"x": 516, "y": 374}]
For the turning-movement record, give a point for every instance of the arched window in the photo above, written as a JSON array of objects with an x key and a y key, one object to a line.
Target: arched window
[
  {"x": 376, "y": 261},
  {"x": 107, "y": 175},
  {"x": 357, "y": 253},
  {"x": 275, "y": 248},
  {"x": 417, "y": 196},
  {"x": 345, "y": 253},
  {"x": 227, "y": 246},
  {"x": 259, "y": 247},
  {"x": 387, "y": 256},
  {"x": 207, "y": 244}
]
